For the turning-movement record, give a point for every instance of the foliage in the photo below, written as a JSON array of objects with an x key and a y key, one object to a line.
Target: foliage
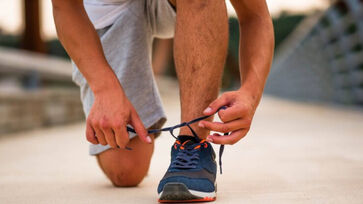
[{"x": 284, "y": 25}]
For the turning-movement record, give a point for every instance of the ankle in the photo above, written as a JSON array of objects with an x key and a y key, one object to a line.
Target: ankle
[{"x": 201, "y": 132}]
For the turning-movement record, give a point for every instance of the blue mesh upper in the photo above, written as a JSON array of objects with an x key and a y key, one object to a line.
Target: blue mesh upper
[{"x": 181, "y": 162}]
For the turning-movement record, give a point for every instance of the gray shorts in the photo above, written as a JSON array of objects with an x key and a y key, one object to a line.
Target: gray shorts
[{"x": 127, "y": 45}]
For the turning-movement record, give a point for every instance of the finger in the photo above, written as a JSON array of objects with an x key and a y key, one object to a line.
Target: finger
[
  {"x": 216, "y": 104},
  {"x": 100, "y": 137},
  {"x": 139, "y": 128},
  {"x": 210, "y": 139},
  {"x": 231, "y": 113},
  {"x": 110, "y": 137},
  {"x": 116, "y": 128},
  {"x": 234, "y": 137},
  {"x": 90, "y": 134},
  {"x": 121, "y": 136},
  {"x": 225, "y": 127},
  {"x": 105, "y": 127}
]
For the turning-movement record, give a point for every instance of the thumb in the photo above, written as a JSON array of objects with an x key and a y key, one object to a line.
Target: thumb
[
  {"x": 139, "y": 127},
  {"x": 216, "y": 104}
]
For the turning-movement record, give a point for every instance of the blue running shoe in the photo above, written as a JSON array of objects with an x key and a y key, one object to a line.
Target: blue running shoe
[{"x": 191, "y": 176}]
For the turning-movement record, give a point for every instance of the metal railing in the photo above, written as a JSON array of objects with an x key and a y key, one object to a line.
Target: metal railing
[
  {"x": 33, "y": 67},
  {"x": 322, "y": 60},
  {"x": 46, "y": 95}
]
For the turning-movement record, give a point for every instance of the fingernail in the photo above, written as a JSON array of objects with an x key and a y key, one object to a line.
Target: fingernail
[
  {"x": 207, "y": 110},
  {"x": 209, "y": 139},
  {"x": 200, "y": 124},
  {"x": 148, "y": 139}
]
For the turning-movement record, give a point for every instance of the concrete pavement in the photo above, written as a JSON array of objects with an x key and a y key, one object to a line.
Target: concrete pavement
[{"x": 295, "y": 153}]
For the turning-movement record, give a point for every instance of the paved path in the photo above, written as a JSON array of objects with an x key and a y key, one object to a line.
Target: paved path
[{"x": 295, "y": 153}]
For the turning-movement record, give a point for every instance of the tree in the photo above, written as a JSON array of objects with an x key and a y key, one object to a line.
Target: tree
[{"x": 31, "y": 39}]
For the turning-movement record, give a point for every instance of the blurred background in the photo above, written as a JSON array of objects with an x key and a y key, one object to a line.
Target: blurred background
[
  {"x": 305, "y": 143},
  {"x": 318, "y": 58}
]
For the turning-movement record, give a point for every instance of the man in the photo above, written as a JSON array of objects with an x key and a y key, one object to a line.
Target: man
[{"x": 110, "y": 43}]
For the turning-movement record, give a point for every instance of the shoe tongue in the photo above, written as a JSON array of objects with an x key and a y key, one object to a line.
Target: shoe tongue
[{"x": 184, "y": 138}]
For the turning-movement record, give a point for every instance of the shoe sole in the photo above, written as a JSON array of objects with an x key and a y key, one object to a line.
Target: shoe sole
[{"x": 178, "y": 192}]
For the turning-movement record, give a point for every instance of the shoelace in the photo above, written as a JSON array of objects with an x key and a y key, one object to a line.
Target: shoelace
[
  {"x": 172, "y": 128},
  {"x": 187, "y": 157}
]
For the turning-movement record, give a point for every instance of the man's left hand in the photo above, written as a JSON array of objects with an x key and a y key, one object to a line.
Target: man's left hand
[{"x": 236, "y": 118}]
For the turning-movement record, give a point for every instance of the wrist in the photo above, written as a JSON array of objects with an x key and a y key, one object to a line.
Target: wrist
[
  {"x": 106, "y": 87},
  {"x": 253, "y": 92},
  {"x": 105, "y": 82}
]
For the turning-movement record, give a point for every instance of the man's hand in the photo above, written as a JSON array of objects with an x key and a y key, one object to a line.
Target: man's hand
[
  {"x": 236, "y": 118},
  {"x": 110, "y": 113}
]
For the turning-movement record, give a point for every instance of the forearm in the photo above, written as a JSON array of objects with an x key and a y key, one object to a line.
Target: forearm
[
  {"x": 256, "y": 52},
  {"x": 79, "y": 38}
]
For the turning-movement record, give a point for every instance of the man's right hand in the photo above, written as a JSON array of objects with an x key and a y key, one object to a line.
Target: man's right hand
[{"x": 107, "y": 120}]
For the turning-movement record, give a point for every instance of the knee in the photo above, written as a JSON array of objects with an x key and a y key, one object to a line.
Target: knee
[
  {"x": 126, "y": 168},
  {"x": 125, "y": 176}
]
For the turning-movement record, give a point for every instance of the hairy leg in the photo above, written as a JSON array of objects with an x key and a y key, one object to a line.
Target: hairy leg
[
  {"x": 200, "y": 48},
  {"x": 127, "y": 168}
]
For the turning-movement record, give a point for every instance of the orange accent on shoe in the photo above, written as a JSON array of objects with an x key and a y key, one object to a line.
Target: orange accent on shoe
[
  {"x": 182, "y": 145},
  {"x": 197, "y": 147},
  {"x": 206, "y": 199},
  {"x": 185, "y": 142}
]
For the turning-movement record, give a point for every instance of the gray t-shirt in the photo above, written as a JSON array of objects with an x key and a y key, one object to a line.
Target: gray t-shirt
[{"x": 127, "y": 44}]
